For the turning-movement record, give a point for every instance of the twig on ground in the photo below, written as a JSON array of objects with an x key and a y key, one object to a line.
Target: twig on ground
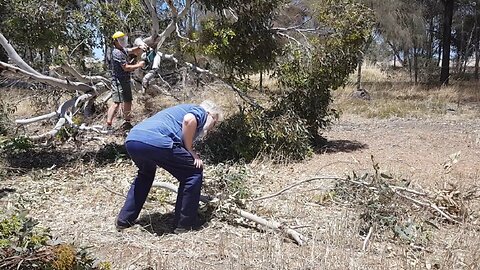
[
  {"x": 297, "y": 184},
  {"x": 112, "y": 191},
  {"x": 367, "y": 239},
  {"x": 428, "y": 205}
]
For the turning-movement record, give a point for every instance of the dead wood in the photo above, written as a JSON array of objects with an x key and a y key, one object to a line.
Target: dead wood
[{"x": 298, "y": 237}]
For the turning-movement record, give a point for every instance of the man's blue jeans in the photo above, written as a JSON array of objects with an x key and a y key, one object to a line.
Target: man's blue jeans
[{"x": 177, "y": 161}]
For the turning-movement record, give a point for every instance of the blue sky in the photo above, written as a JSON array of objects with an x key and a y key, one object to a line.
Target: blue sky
[{"x": 98, "y": 53}]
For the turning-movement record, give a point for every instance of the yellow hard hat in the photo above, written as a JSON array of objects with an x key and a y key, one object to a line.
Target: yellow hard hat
[{"x": 118, "y": 34}]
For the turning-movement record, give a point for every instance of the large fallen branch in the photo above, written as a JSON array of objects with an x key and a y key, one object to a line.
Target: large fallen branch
[
  {"x": 64, "y": 113},
  {"x": 84, "y": 78},
  {"x": 12, "y": 54},
  {"x": 66, "y": 84},
  {"x": 298, "y": 237}
]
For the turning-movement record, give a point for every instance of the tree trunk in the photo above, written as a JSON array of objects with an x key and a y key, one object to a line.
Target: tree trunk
[
  {"x": 446, "y": 40},
  {"x": 408, "y": 58},
  {"x": 430, "y": 39},
  {"x": 3, "y": 55},
  {"x": 477, "y": 45},
  {"x": 415, "y": 64},
  {"x": 440, "y": 45},
  {"x": 261, "y": 80},
  {"x": 359, "y": 74}
]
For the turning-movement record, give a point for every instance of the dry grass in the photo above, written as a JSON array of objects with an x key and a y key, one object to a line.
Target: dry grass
[
  {"x": 79, "y": 197},
  {"x": 394, "y": 96}
]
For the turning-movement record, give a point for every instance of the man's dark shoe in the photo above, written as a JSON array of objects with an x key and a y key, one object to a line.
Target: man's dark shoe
[
  {"x": 126, "y": 126},
  {"x": 109, "y": 129},
  {"x": 120, "y": 226},
  {"x": 180, "y": 230}
]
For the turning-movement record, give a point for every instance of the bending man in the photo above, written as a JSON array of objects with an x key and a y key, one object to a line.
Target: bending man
[{"x": 166, "y": 140}]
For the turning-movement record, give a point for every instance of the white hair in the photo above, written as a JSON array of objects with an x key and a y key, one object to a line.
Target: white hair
[{"x": 212, "y": 108}]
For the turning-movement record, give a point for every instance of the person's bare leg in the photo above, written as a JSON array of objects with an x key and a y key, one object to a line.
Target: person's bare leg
[
  {"x": 112, "y": 110},
  {"x": 127, "y": 111}
]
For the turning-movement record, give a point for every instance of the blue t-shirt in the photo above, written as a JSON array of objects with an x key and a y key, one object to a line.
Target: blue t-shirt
[{"x": 165, "y": 128}]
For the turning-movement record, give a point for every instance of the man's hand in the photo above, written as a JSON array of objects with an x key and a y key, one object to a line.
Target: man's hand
[
  {"x": 189, "y": 126},
  {"x": 196, "y": 160}
]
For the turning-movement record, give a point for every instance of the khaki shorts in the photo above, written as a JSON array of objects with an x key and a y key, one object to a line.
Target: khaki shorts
[{"x": 121, "y": 91}]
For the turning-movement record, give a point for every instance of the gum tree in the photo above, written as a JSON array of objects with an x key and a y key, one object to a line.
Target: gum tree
[{"x": 310, "y": 56}]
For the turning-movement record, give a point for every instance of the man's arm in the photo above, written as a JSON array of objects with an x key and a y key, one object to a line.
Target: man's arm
[
  {"x": 135, "y": 50},
  {"x": 132, "y": 67},
  {"x": 189, "y": 127}
]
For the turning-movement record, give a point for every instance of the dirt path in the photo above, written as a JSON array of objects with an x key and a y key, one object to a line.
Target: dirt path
[{"x": 80, "y": 204}]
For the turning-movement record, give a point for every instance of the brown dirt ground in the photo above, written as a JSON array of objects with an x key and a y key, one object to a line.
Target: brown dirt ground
[{"x": 79, "y": 203}]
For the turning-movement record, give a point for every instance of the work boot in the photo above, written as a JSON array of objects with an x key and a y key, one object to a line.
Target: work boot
[
  {"x": 126, "y": 126},
  {"x": 120, "y": 225}
]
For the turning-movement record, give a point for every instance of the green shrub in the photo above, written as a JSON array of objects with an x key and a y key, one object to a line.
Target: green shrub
[
  {"x": 23, "y": 245},
  {"x": 230, "y": 179},
  {"x": 254, "y": 132},
  {"x": 15, "y": 145},
  {"x": 6, "y": 110}
]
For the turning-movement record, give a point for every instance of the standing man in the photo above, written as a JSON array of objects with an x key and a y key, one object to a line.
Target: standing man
[
  {"x": 166, "y": 140},
  {"x": 121, "y": 81}
]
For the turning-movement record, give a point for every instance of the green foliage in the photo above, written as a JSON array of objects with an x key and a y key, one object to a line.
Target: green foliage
[
  {"x": 19, "y": 231},
  {"x": 306, "y": 78},
  {"x": 15, "y": 145},
  {"x": 124, "y": 15},
  {"x": 245, "y": 135},
  {"x": 306, "y": 81},
  {"x": 246, "y": 44},
  {"x": 35, "y": 23},
  {"x": 35, "y": 27},
  {"x": 23, "y": 245},
  {"x": 228, "y": 182},
  {"x": 381, "y": 206}
]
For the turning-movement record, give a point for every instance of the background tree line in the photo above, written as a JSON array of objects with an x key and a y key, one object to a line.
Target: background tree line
[
  {"x": 432, "y": 38},
  {"x": 420, "y": 35}
]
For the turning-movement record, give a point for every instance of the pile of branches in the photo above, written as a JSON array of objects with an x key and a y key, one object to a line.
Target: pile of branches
[{"x": 390, "y": 206}]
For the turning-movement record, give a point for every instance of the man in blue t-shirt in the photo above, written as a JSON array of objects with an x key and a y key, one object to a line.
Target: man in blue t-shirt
[
  {"x": 121, "y": 81},
  {"x": 166, "y": 140}
]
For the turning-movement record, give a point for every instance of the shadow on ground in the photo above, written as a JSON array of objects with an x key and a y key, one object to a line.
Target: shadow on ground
[
  {"x": 337, "y": 146},
  {"x": 21, "y": 162},
  {"x": 164, "y": 223},
  {"x": 4, "y": 192},
  {"x": 38, "y": 159},
  {"x": 109, "y": 153},
  {"x": 158, "y": 223}
]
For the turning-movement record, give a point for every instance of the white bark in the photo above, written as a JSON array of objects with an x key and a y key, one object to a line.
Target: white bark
[
  {"x": 52, "y": 132},
  {"x": 84, "y": 78},
  {"x": 299, "y": 238},
  {"x": 15, "y": 57},
  {"x": 66, "y": 84},
  {"x": 156, "y": 40},
  {"x": 36, "y": 119}
]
